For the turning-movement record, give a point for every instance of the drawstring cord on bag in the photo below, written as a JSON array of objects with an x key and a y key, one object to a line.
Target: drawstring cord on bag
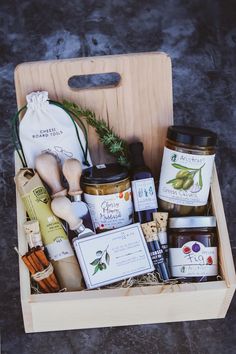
[
  {"x": 85, "y": 152},
  {"x": 16, "y": 136},
  {"x": 17, "y": 141}
]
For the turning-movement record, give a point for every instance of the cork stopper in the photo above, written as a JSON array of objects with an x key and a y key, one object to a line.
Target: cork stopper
[
  {"x": 150, "y": 231},
  {"x": 161, "y": 220},
  {"x": 32, "y": 233}
]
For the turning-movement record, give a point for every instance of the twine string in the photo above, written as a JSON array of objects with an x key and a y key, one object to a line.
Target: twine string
[{"x": 43, "y": 274}]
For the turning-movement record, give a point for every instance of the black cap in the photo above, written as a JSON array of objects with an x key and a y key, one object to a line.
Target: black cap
[
  {"x": 101, "y": 174},
  {"x": 136, "y": 147},
  {"x": 136, "y": 153},
  {"x": 192, "y": 136}
]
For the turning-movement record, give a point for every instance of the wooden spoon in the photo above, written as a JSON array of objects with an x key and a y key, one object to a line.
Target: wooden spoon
[
  {"x": 72, "y": 170},
  {"x": 48, "y": 169}
]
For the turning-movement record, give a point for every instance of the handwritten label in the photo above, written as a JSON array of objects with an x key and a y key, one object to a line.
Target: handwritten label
[
  {"x": 110, "y": 211},
  {"x": 193, "y": 259}
]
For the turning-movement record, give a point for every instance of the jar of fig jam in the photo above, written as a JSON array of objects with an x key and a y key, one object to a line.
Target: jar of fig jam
[
  {"x": 186, "y": 170},
  {"x": 193, "y": 248}
]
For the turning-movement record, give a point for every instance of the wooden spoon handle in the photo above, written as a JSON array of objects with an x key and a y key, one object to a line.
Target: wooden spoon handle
[
  {"x": 72, "y": 170},
  {"x": 62, "y": 207},
  {"x": 49, "y": 171}
]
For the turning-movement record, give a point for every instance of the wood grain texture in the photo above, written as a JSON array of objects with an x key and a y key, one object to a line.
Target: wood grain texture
[
  {"x": 140, "y": 107},
  {"x": 226, "y": 258}
]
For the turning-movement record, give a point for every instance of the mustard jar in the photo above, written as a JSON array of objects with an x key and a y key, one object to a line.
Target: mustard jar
[{"x": 107, "y": 192}]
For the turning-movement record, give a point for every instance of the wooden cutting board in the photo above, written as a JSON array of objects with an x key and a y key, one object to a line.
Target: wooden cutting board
[{"x": 140, "y": 107}]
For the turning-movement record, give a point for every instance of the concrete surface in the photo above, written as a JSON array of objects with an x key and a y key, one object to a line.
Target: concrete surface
[{"x": 200, "y": 36}]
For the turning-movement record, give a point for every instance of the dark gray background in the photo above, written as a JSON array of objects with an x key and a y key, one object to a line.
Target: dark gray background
[{"x": 200, "y": 37}]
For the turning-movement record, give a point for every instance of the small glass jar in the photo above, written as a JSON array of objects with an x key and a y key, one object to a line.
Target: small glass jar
[
  {"x": 193, "y": 248},
  {"x": 107, "y": 192},
  {"x": 186, "y": 170}
]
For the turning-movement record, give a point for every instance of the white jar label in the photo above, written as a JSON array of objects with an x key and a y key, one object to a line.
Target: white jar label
[
  {"x": 185, "y": 178},
  {"x": 59, "y": 249},
  {"x": 144, "y": 194},
  {"x": 110, "y": 211},
  {"x": 193, "y": 259}
]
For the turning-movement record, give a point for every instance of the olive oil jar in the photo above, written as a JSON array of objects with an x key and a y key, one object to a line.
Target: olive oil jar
[{"x": 186, "y": 170}]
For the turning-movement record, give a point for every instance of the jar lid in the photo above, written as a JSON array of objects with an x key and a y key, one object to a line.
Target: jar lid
[
  {"x": 192, "y": 136},
  {"x": 101, "y": 174},
  {"x": 192, "y": 221}
]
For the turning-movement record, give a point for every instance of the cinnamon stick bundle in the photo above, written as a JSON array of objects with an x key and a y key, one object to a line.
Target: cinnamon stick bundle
[{"x": 41, "y": 270}]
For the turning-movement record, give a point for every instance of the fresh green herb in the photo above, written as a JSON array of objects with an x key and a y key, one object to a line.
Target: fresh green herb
[{"x": 111, "y": 141}]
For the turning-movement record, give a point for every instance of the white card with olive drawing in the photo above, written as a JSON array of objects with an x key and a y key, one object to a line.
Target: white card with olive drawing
[{"x": 112, "y": 256}]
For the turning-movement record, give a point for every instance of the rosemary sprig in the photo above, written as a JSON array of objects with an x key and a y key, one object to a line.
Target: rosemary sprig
[{"x": 111, "y": 141}]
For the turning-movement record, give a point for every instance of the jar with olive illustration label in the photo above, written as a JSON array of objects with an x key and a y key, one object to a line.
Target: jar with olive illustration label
[
  {"x": 186, "y": 170},
  {"x": 193, "y": 248},
  {"x": 107, "y": 192}
]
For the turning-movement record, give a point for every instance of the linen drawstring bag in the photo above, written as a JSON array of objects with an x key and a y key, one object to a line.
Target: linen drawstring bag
[{"x": 48, "y": 127}]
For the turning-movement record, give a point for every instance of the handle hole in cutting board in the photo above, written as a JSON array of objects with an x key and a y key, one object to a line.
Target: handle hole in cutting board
[{"x": 94, "y": 81}]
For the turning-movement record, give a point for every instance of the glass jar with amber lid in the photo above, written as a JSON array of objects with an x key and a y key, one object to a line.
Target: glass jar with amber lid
[
  {"x": 107, "y": 192},
  {"x": 193, "y": 248},
  {"x": 186, "y": 170}
]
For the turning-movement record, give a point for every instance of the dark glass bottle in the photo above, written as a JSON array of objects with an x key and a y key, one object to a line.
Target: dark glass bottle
[{"x": 143, "y": 186}]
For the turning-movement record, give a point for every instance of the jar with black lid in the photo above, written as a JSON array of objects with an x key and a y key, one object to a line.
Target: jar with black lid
[
  {"x": 107, "y": 192},
  {"x": 186, "y": 170},
  {"x": 193, "y": 248}
]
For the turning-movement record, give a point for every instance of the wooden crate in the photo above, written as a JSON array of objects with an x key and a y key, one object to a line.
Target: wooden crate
[{"x": 140, "y": 106}]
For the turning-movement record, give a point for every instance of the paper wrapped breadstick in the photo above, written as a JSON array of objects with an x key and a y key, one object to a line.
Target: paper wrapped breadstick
[{"x": 37, "y": 204}]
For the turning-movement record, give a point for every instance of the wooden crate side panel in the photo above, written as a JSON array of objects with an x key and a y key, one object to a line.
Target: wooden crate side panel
[
  {"x": 125, "y": 292},
  {"x": 225, "y": 252},
  {"x": 110, "y": 311},
  {"x": 74, "y": 305},
  {"x": 227, "y": 300}
]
